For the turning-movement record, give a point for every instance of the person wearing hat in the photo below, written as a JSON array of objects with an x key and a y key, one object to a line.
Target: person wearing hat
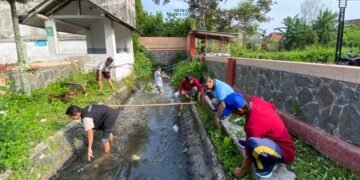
[
  {"x": 103, "y": 70},
  {"x": 267, "y": 139},
  {"x": 189, "y": 87},
  {"x": 95, "y": 117},
  {"x": 215, "y": 91}
]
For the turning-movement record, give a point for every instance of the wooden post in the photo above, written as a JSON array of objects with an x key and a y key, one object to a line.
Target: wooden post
[
  {"x": 191, "y": 44},
  {"x": 230, "y": 77}
]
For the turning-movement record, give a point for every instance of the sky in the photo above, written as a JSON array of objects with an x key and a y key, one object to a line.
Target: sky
[{"x": 278, "y": 12}]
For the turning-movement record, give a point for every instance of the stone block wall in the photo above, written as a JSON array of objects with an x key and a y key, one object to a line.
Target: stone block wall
[
  {"x": 169, "y": 57},
  {"x": 321, "y": 96},
  {"x": 49, "y": 72}
]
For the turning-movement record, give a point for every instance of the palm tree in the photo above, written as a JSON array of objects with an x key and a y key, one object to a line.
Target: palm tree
[
  {"x": 296, "y": 33},
  {"x": 325, "y": 26}
]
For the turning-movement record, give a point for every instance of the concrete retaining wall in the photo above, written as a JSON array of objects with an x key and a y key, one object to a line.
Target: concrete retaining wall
[
  {"x": 324, "y": 97},
  {"x": 169, "y": 57},
  {"x": 166, "y": 50},
  {"x": 49, "y": 72}
]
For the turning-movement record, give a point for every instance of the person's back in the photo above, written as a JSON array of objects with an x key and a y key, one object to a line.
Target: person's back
[
  {"x": 157, "y": 78},
  {"x": 264, "y": 122},
  {"x": 102, "y": 115},
  {"x": 221, "y": 89},
  {"x": 102, "y": 66}
]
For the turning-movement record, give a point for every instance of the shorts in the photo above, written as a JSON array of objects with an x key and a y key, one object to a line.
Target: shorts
[
  {"x": 265, "y": 154},
  {"x": 106, "y": 75},
  {"x": 105, "y": 137},
  {"x": 160, "y": 88}
]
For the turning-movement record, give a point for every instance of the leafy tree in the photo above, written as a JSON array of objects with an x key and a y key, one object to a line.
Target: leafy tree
[
  {"x": 310, "y": 9},
  {"x": 203, "y": 11},
  {"x": 140, "y": 15},
  {"x": 352, "y": 36},
  {"x": 19, "y": 43},
  {"x": 297, "y": 34},
  {"x": 325, "y": 26},
  {"x": 248, "y": 14}
]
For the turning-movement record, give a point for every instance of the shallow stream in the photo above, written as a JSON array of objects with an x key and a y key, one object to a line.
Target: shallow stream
[{"x": 145, "y": 146}]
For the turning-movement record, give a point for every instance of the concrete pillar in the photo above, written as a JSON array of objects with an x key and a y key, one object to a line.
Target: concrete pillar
[
  {"x": 52, "y": 38},
  {"x": 109, "y": 38},
  {"x": 191, "y": 44},
  {"x": 230, "y": 77}
]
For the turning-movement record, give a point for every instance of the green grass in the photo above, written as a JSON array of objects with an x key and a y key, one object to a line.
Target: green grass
[
  {"x": 310, "y": 164},
  {"x": 21, "y": 129},
  {"x": 227, "y": 153}
]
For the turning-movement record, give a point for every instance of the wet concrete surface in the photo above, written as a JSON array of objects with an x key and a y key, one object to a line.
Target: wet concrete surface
[{"x": 145, "y": 145}]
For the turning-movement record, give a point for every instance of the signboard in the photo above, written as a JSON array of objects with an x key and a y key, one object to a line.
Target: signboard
[
  {"x": 40, "y": 43},
  {"x": 179, "y": 13},
  {"x": 49, "y": 31}
]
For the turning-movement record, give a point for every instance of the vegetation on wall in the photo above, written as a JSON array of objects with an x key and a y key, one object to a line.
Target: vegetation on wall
[
  {"x": 313, "y": 53},
  {"x": 194, "y": 68}
]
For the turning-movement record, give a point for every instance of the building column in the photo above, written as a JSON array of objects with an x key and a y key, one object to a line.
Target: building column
[
  {"x": 110, "y": 42},
  {"x": 191, "y": 45},
  {"x": 230, "y": 76},
  {"x": 52, "y": 38}
]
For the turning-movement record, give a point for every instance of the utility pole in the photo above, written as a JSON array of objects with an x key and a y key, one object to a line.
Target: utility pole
[{"x": 342, "y": 6}]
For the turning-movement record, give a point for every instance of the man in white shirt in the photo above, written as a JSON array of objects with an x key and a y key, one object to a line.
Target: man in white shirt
[
  {"x": 103, "y": 69},
  {"x": 97, "y": 117},
  {"x": 158, "y": 80}
]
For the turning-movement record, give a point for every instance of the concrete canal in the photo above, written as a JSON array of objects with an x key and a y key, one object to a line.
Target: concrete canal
[{"x": 146, "y": 146}]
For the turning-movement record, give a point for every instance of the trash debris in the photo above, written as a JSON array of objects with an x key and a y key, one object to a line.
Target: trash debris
[
  {"x": 43, "y": 120},
  {"x": 176, "y": 128},
  {"x": 185, "y": 150}
]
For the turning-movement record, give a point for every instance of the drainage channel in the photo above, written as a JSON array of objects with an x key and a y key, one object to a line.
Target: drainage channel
[{"x": 146, "y": 146}]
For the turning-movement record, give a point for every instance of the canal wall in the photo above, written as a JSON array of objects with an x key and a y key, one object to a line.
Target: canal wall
[
  {"x": 319, "y": 103},
  {"x": 166, "y": 50},
  {"x": 202, "y": 159}
]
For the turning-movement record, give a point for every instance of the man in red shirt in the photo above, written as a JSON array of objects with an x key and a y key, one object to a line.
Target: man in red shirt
[
  {"x": 267, "y": 139},
  {"x": 188, "y": 87}
]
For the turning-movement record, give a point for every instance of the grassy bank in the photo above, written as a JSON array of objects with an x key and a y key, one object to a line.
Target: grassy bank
[
  {"x": 309, "y": 163},
  {"x": 28, "y": 120}
]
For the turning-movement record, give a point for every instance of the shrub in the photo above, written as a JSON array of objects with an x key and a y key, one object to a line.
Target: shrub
[{"x": 194, "y": 68}]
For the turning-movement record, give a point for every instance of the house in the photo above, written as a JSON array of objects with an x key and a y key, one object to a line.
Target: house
[{"x": 105, "y": 33}]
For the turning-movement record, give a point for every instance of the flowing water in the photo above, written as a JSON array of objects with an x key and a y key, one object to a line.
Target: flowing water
[{"x": 145, "y": 145}]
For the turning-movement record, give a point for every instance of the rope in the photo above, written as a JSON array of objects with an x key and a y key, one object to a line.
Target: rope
[{"x": 150, "y": 105}]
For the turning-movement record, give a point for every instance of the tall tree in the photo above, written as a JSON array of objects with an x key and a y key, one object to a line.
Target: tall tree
[
  {"x": 249, "y": 14},
  {"x": 325, "y": 26},
  {"x": 352, "y": 36},
  {"x": 310, "y": 9},
  {"x": 19, "y": 43},
  {"x": 296, "y": 33},
  {"x": 204, "y": 11}
]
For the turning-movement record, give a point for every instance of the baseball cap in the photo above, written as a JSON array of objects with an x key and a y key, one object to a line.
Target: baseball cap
[{"x": 233, "y": 102}]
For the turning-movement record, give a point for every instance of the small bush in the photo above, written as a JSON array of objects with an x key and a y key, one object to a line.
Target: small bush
[{"x": 194, "y": 68}]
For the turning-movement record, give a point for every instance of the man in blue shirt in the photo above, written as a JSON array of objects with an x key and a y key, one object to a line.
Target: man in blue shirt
[{"x": 216, "y": 92}]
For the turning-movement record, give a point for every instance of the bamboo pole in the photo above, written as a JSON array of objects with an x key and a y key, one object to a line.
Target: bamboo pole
[{"x": 149, "y": 105}]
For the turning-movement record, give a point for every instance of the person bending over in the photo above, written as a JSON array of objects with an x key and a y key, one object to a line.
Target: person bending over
[
  {"x": 267, "y": 140},
  {"x": 95, "y": 117},
  {"x": 188, "y": 88}
]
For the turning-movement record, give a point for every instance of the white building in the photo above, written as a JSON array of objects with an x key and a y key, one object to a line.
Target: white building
[{"x": 104, "y": 33}]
